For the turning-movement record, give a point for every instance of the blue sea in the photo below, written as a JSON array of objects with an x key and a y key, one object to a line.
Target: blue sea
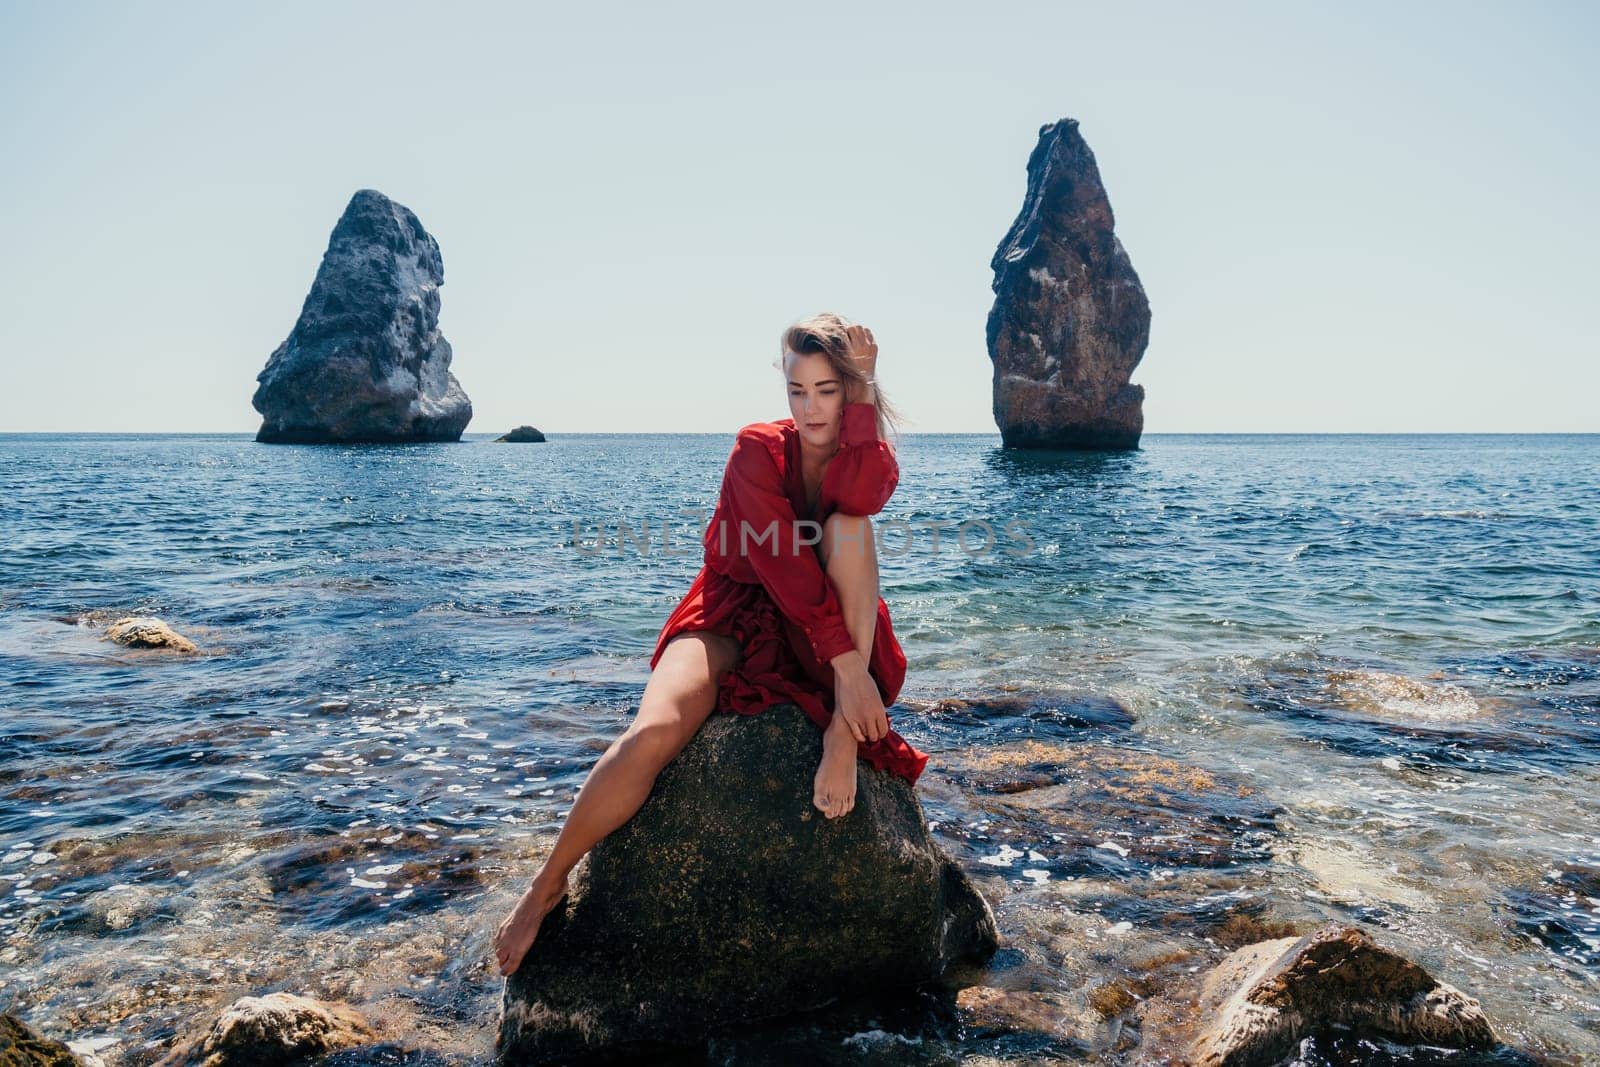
[{"x": 1187, "y": 697}]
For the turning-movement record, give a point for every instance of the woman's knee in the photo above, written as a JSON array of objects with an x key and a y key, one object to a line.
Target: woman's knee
[
  {"x": 667, "y": 718},
  {"x": 681, "y": 693},
  {"x": 656, "y": 741},
  {"x": 697, "y": 655}
]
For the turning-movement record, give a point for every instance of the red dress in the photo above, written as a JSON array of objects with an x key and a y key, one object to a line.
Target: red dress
[{"x": 768, "y": 590}]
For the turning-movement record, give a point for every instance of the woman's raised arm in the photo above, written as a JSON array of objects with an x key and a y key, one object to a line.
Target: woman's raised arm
[
  {"x": 762, "y": 527},
  {"x": 863, "y": 473}
]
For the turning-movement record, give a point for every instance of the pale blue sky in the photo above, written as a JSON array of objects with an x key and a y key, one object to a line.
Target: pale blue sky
[{"x": 1351, "y": 217}]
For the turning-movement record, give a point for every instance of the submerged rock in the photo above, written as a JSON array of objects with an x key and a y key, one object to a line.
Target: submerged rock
[
  {"x": 147, "y": 631},
  {"x": 988, "y": 1011},
  {"x": 366, "y": 360},
  {"x": 1265, "y": 998},
  {"x": 1099, "y": 809},
  {"x": 1383, "y": 695},
  {"x": 1070, "y": 321},
  {"x": 279, "y": 1028},
  {"x": 112, "y": 911},
  {"x": 385, "y": 1055},
  {"x": 729, "y": 898},
  {"x": 21, "y": 1047},
  {"x": 522, "y": 434}
]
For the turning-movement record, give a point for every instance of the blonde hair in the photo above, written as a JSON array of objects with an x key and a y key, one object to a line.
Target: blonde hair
[{"x": 824, "y": 333}]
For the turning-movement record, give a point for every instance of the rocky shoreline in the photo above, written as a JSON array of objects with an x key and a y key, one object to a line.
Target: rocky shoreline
[{"x": 727, "y": 913}]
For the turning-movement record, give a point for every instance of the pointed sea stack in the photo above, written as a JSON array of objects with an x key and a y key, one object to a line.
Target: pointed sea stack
[
  {"x": 366, "y": 361},
  {"x": 1070, "y": 320}
]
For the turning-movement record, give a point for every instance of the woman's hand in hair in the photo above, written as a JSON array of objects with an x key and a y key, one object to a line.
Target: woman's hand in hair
[{"x": 864, "y": 351}]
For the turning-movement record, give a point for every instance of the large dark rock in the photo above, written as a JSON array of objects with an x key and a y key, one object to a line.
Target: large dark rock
[
  {"x": 366, "y": 360},
  {"x": 1070, "y": 320},
  {"x": 729, "y": 898}
]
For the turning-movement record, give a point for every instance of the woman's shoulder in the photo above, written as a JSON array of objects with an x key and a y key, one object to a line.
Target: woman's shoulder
[
  {"x": 775, "y": 430},
  {"x": 757, "y": 439},
  {"x": 776, "y": 435}
]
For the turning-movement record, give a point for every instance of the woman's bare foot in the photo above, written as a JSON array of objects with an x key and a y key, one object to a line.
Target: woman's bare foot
[
  {"x": 834, "y": 789},
  {"x": 515, "y": 934}
]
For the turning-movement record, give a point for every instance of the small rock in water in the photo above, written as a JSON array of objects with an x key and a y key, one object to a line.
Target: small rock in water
[
  {"x": 147, "y": 631},
  {"x": 1265, "y": 998},
  {"x": 989, "y": 1010},
  {"x": 522, "y": 435},
  {"x": 1382, "y": 695},
  {"x": 276, "y": 1028}
]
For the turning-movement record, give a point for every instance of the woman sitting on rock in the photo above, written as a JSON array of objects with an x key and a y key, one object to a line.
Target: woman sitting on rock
[{"x": 785, "y": 609}]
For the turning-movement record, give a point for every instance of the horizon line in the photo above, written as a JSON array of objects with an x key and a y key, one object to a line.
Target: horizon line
[{"x": 913, "y": 433}]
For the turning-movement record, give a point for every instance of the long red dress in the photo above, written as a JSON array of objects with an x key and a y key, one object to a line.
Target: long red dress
[{"x": 768, "y": 590}]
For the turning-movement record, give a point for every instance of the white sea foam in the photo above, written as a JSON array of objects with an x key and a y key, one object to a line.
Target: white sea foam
[{"x": 1003, "y": 858}]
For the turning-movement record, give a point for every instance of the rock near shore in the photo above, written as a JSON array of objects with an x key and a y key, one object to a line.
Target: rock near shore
[
  {"x": 21, "y": 1047},
  {"x": 1264, "y": 998},
  {"x": 366, "y": 361},
  {"x": 1070, "y": 321},
  {"x": 274, "y": 1030},
  {"x": 729, "y": 898},
  {"x": 147, "y": 631}
]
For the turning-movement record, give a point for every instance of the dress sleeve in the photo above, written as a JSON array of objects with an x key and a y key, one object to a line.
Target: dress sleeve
[
  {"x": 863, "y": 473},
  {"x": 753, "y": 492}
]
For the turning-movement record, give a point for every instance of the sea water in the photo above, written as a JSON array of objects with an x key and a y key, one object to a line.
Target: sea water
[{"x": 1177, "y": 699}]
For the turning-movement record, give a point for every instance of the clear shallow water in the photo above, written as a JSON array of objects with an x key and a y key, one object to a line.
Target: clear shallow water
[{"x": 1230, "y": 682}]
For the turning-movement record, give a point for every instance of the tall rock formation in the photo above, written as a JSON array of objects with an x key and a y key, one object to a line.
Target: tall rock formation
[
  {"x": 1070, "y": 320},
  {"x": 366, "y": 360}
]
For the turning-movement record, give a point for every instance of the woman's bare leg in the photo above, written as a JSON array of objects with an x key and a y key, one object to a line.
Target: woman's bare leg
[
  {"x": 680, "y": 695},
  {"x": 849, "y": 555}
]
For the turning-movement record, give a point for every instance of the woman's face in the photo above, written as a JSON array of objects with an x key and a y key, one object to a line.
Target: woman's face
[{"x": 816, "y": 398}]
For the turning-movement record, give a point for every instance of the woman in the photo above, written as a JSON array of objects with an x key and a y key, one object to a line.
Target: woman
[{"x": 785, "y": 609}]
